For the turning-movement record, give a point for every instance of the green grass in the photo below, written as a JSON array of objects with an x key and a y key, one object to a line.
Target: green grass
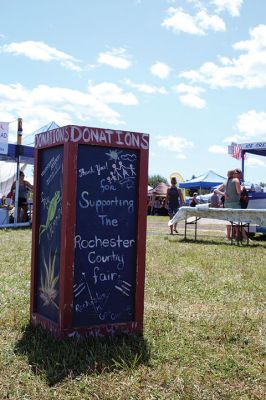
[{"x": 205, "y": 326}]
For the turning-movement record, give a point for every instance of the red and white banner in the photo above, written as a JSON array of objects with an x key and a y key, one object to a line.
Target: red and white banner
[
  {"x": 235, "y": 151},
  {"x": 4, "y": 126}
]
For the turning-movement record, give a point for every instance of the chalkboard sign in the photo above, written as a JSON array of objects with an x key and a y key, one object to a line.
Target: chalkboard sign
[
  {"x": 105, "y": 239},
  {"x": 89, "y": 231},
  {"x": 49, "y": 232}
]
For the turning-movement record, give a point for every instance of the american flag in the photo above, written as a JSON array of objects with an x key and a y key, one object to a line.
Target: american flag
[{"x": 235, "y": 151}]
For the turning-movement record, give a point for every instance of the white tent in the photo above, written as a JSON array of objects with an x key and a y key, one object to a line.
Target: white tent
[
  {"x": 8, "y": 176},
  {"x": 8, "y": 167}
]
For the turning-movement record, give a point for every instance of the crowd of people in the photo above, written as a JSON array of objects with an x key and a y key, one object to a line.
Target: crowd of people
[
  {"x": 230, "y": 194},
  {"x": 157, "y": 207}
]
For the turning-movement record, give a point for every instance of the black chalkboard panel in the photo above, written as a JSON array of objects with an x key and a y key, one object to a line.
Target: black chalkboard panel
[
  {"x": 49, "y": 232},
  {"x": 105, "y": 239}
]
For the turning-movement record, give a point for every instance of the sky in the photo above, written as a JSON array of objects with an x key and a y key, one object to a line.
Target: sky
[{"x": 191, "y": 73}]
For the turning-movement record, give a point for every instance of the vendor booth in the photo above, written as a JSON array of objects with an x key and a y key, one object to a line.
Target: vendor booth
[
  {"x": 257, "y": 200},
  {"x": 205, "y": 181},
  {"x": 20, "y": 156},
  {"x": 16, "y": 155}
]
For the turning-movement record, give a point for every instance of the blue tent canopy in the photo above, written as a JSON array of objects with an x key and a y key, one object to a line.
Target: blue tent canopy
[
  {"x": 26, "y": 154},
  {"x": 258, "y": 152},
  {"x": 204, "y": 181}
]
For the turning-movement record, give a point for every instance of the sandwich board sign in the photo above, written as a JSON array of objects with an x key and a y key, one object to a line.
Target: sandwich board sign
[{"x": 89, "y": 231}]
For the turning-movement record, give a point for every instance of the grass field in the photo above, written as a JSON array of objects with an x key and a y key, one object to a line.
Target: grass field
[{"x": 205, "y": 326}]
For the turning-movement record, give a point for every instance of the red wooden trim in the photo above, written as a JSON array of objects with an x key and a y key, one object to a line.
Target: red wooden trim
[
  {"x": 92, "y": 136},
  {"x": 38, "y": 319},
  {"x": 106, "y": 330},
  {"x": 127, "y": 328},
  {"x": 141, "y": 236},
  {"x": 68, "y": 229},
  {"x": 34, "y": 250}
]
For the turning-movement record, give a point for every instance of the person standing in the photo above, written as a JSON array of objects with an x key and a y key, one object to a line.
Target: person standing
[
  {"x": 232, "y": 192},
  {"x": 24, "y": 188},
  {"x": 244, "y": 194},
  {"x": 174, "y": 200}
]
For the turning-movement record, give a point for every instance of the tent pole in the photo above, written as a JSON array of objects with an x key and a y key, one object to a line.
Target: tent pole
[
  {"x": 19, "y": 139},
  {"x": 243, "y": 164}
]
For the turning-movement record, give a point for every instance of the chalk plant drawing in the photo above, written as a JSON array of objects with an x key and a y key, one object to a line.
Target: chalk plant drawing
[
  {"x": 48, "y": 291},
  {"x": 51, "y": 213}
]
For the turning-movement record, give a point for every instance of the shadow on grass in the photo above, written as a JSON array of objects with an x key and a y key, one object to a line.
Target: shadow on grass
[
  {"x": 56, "y": 359},
  {"x": 260, "y": 238},
  {"x": 252, "y": 244}
]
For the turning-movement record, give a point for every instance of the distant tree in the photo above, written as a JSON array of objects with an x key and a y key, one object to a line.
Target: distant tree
[
  {"x": 154, "y": 180},
  {"x": 262, "y": 184}
]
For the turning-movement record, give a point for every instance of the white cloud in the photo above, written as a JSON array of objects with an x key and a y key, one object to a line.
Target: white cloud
[
  {"x": 39, "y": 51},
  {"x": 257, "y": 40},
  {"x": 218, "y": 149},
  {"x": 183, "y": 88},
  {"x": 145, "y": 88},
  {"x": 233, "y": 139},
  {"x": 189, "y": 95},
  {"x": 252, "y": 123},
  {"x": 206, "y": 21},
  {"x": 250, "y": 127},
  {"x": 108, "y": 92},
  {"x": 179, "y": 21},
  {"x": 160, "y": 70},
  {"x": 246, "y": 71},
  {"x": 199, "y": 24},
  {"x": 181, "y": 157},
  {"x": 254, "y": 162},
  {"x": 232, "y": 6},
  {"x": 176, "y": 144},
  {"x": 44, "y": 104},
  {"x": 115, "y": 58},
  {"x": 225, "y": 60},
  {"x": 191, "y": 100}
]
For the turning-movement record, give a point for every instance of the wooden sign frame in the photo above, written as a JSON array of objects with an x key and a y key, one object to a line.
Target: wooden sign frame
[{"x": 69, "y": 138}]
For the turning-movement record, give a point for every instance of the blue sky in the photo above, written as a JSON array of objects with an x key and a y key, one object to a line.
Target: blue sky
[{"x": 190, "y": 73}]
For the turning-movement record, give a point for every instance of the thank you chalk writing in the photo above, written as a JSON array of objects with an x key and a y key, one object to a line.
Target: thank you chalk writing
[
  {"x": 49, "y": 232},
  {"x": 105, "y": 239}
]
